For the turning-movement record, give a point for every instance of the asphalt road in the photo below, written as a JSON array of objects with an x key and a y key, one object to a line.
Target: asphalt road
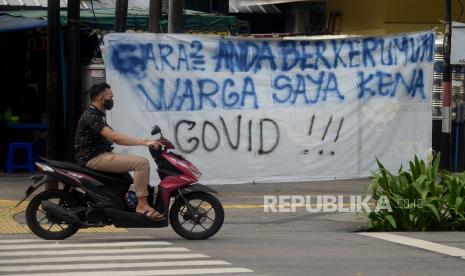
[{"x": 256, "y": 243}]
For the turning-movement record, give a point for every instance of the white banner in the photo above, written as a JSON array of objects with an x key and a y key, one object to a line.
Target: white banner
[{"x": 247, "y": 110}]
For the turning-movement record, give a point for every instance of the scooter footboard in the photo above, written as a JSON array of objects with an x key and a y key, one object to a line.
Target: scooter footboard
[{"x": 133, "y": 220}]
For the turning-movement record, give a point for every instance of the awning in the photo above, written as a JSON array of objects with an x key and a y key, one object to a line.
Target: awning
[
  {"x": 245, "y": 3},
  {"x": 85, "y": 4},
  {"x": 10, "y": 23},
  {"x": 136, "y": 19},
  {"x": 235, "y": 6},
  {"x": 261, "y": 6}
]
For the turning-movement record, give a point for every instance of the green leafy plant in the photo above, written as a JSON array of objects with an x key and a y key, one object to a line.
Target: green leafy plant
[{"x": 422, "y": 198}]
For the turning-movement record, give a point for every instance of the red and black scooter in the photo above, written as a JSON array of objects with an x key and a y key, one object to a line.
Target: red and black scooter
[{"x": 86, "y": 198}]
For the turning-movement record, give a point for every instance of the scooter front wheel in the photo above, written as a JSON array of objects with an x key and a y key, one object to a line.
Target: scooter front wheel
[{"x": 210, "y": 216}]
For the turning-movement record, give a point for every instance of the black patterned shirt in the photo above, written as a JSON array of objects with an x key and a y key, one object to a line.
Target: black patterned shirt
[{"x": 88, "y": 142}]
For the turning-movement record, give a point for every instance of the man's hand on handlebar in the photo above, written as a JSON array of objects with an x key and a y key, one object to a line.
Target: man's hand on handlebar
[{"x": 153, "y": 144}]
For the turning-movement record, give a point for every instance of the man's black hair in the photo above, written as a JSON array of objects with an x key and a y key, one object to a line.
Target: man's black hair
[{"x": 97, "y": 89}]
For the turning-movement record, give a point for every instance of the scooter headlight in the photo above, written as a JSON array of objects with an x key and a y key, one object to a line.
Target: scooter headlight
[
  {"x": 196, "y": 173},
  {"x": 191, "y": 169}
]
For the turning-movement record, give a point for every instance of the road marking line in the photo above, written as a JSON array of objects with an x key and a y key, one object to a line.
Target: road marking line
[
  {"x": 54, "y": 259},
  {"x": 66, "y": 245},
  {"x": 94, "y": 266},
  {"x": 426, "y": 245},
  {"x": 147, "y": 272},
  {"x": 281, "y": 206},
  {"x": 104, "y": 229},
  {"x": 93, "y": 251},
  {"x": 22, "y": 241}
]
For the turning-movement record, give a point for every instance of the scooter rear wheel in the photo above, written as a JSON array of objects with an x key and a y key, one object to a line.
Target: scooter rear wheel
[
  {"x": 209, "y": 222},
  {"x": 45, "y": 225}
]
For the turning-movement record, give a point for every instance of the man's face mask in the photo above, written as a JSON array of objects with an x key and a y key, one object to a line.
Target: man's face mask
[{"x": 108, "y": 104}]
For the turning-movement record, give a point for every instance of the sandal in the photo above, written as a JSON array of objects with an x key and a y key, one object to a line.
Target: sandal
[{"x": 152, "y": 214}]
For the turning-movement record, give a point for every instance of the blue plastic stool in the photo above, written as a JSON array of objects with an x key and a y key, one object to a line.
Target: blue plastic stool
[{"x": 10, "y": 162}]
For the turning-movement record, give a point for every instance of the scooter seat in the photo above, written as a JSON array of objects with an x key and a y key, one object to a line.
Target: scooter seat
[{"x": 105, "y": 177}]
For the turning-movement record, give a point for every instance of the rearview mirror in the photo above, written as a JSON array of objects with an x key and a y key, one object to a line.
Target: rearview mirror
[{"x": 155, "y": 130}]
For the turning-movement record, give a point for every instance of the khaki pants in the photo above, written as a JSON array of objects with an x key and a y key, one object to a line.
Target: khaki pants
[{"x": 119, "y": 163}]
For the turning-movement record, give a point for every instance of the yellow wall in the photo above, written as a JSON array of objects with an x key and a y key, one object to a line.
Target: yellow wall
[{"x": 390, "y": 16}]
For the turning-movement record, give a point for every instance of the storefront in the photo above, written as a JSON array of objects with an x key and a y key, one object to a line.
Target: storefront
[{"x": 23, "y": 78}]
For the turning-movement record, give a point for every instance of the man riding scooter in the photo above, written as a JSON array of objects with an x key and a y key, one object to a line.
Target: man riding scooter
[{"x": 93, "y": 146}]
